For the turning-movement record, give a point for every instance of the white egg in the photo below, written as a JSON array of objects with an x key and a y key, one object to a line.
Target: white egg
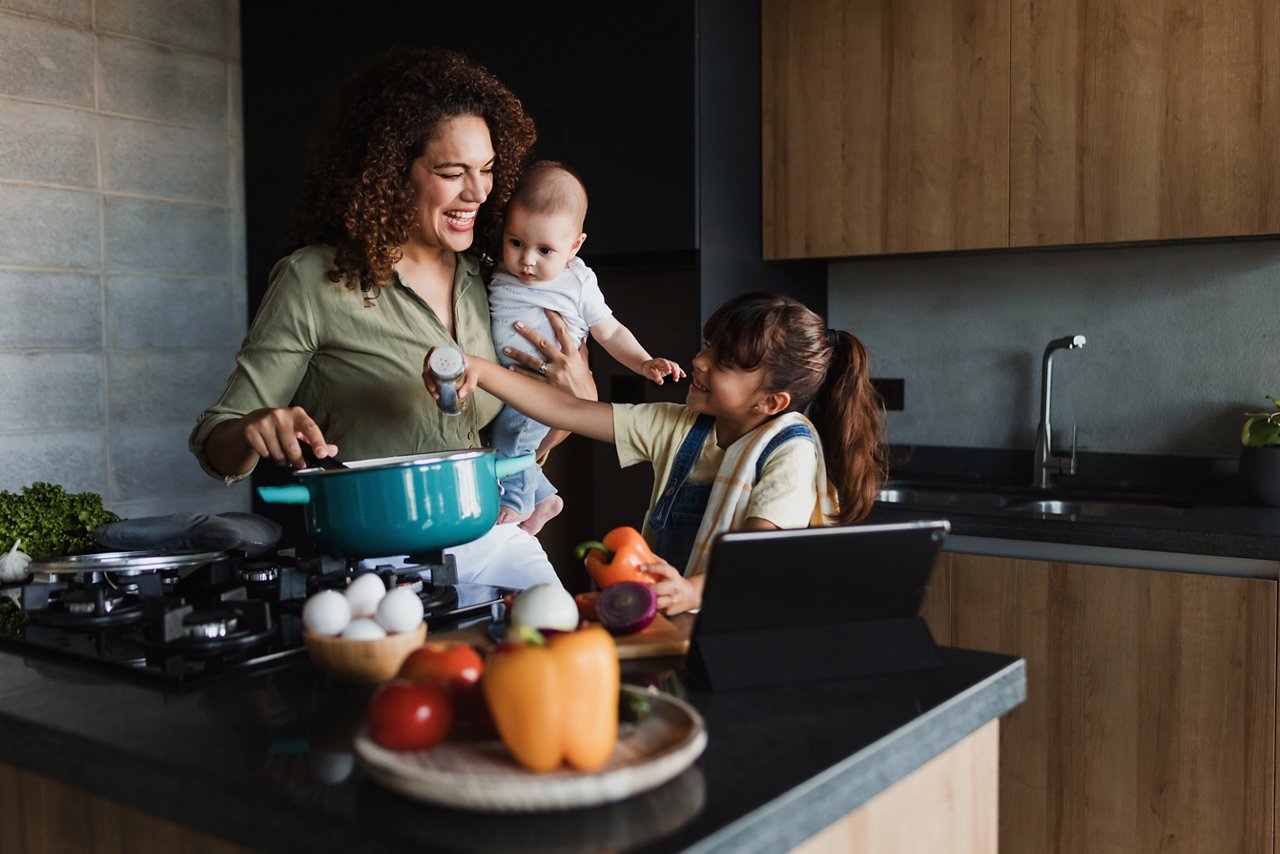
[
  {"x": 326, "y": 613},
  {"x": 400, "y": 610},
  {"x": 363, "y": 629},
  {"x": 364, "y": 593}
]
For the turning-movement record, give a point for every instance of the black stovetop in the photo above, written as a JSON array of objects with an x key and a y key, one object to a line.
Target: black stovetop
[{"x": 187, "y": 625}]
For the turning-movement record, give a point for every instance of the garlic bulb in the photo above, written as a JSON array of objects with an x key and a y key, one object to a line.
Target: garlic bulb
[{"x": 13, "y": 566}]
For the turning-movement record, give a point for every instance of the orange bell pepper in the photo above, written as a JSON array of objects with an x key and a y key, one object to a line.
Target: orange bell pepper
[
  {"x": 618, "y": 558},
  {"x": 557, "y": 702}
]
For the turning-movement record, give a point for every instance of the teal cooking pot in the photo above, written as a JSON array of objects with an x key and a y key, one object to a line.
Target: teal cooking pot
[{"x": 400, "y": 505}]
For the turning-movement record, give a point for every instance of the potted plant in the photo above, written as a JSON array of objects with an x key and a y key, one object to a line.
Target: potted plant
[{"x": 1260, "y": 454}]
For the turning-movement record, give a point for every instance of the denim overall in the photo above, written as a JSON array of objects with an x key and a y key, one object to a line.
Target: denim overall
[{"x": 677, "y": 516}]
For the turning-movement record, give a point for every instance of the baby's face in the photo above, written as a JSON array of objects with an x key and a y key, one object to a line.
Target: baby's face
[{"x": 537, "y": 247}]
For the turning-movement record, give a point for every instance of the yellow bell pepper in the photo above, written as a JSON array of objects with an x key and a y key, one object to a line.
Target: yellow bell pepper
[{"x": 556, "y": 703}]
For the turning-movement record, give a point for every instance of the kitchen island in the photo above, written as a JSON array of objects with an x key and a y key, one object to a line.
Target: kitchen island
[{"x": 263, "y": 762}]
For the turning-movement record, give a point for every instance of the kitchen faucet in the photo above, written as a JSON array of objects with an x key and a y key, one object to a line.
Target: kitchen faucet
[{"x": 1045, "y": 458}]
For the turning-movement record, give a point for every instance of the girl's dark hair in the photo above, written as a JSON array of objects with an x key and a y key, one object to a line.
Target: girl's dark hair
[
  {"x": 825, "y": 371},
  {"x": 357, "y": 195}
]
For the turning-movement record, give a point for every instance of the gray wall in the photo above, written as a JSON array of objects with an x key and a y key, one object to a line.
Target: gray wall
[
  {"x": 1182, "y": 339},
  {"x": 122, "y": 245}
]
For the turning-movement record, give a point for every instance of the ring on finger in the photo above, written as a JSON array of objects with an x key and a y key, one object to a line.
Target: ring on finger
[{"x": 542, "y": 369}]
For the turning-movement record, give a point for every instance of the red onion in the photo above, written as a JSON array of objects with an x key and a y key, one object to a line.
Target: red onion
[{"x": 626, "y": 607}]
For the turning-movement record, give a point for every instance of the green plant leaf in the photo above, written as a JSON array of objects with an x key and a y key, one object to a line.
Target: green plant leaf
[{"x": 1260, "y": 431}]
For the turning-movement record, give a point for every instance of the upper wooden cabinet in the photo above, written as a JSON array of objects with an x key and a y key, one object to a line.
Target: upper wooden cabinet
[
  {"x": 1133, "y": 120},
  {"x": 885, "y": 126},
  {"x": 971, "y": 124}
]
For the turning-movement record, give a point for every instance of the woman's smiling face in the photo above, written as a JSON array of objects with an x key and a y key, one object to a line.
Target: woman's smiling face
[{"x": 453, "y": 177}]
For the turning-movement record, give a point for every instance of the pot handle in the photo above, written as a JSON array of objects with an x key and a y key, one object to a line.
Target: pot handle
[
  {"x": 294, "y": 493},
  {"x": 511, "y": 465}
]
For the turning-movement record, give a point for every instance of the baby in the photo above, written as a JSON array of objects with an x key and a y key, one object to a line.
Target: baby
[{"x": 541, "y": 270}]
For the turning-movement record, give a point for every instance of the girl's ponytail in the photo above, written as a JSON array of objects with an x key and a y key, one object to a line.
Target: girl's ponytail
[{"x": 849, "y": 415}]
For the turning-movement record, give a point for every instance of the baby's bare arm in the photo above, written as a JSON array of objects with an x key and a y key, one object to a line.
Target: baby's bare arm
[{"x": 620, "y": 343}]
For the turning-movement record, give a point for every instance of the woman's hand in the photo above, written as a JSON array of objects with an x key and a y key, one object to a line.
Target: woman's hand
[
  {"x": 278, "y": 432},
  {"x": 562, "y": 364},
  {"x": 676, "y": 594}
]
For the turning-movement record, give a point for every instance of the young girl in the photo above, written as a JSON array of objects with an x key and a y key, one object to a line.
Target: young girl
[{"x": 739, "y": 454}]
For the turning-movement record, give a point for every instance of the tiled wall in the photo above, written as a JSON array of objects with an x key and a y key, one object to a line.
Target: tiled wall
[{"x": 122, "y": 272}]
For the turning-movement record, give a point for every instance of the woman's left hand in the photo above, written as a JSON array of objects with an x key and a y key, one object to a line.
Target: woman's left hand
[
  {"x": 562, "y": 364},
  {"x": 676, "y": 594}
]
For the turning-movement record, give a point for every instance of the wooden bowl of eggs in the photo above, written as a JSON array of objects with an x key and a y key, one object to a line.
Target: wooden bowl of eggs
[{"x": 364, "y": 633}]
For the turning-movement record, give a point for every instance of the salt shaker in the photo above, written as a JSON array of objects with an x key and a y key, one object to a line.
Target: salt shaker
[{"x": 446, "y": 365}]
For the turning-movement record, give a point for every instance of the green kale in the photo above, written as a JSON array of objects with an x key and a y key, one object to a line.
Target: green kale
[
  {"x": 12, "y": 619},
  {"x": 50, "y": 521}
]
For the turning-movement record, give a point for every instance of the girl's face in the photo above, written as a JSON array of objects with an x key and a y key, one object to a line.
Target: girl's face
[
  {"x": 723, "y": 392},
  {"x": 452, "y": 178}
]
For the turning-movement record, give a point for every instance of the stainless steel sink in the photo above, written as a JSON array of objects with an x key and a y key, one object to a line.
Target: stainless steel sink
[
  {"x": 941, "y": 498},
  {"x": 1056, "y": 507},
  {"x": 1000, "y": 503}
]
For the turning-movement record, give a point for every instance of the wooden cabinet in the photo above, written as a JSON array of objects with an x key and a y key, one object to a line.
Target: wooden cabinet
[
  {"x": 949, "y": 804},
  {"x": 971, "y": 124},
  {"x": 42, "y": 816},
  {"x": 1150, "y": 720},
  {"x": 885, "y": 126},
  {"x": 1133, "y": 120}
]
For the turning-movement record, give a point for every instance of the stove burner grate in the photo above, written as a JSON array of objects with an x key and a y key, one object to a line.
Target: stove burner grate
[{"x": 186, "y": 625}]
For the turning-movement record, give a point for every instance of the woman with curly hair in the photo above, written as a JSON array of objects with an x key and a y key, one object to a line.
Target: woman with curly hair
[{"x": 417, "y": 160}]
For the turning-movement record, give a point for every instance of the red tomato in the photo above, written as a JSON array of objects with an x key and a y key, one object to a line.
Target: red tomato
[
  {"x": 406, "y": 715},
  {"x": 452, "y": 663},
  {"x": 456, "y": 667},
  {"x": 587, "y": 606}
]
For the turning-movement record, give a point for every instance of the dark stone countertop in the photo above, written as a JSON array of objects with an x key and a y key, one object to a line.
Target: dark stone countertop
[
  {"x": 1219, "y": 518},
  {"x": 263, "y": 760},
  {"x": 1203, "y": 529}
]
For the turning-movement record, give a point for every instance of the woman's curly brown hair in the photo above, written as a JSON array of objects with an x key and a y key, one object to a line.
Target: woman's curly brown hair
[{"x": 357, "y": 194}]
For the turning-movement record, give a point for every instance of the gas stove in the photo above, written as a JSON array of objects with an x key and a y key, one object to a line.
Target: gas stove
[{"x": 181, "y": 618}]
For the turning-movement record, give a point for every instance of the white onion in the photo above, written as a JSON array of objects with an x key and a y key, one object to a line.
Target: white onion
[{"x": 545, "y": 606}]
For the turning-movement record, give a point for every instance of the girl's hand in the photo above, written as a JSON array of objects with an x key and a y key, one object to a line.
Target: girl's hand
[
  {"x": 676, "y": 594},
  {"x": 465, "y": 384},
  {"x": 656, "y": 369},
  {"x": 276, "y": 433},
  {"x": 562, "y": 364}
]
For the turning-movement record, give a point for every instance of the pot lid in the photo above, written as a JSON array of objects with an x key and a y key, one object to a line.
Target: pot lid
[
  {"x": 133, "y": 561},
  {"x": 407, "y": 461}
]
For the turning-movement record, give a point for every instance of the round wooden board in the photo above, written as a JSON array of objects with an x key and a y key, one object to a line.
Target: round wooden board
[{"x": 481, "y": 775}]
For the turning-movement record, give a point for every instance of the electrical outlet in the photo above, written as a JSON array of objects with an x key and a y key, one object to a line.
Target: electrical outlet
[{"x": 893, "y": 393}]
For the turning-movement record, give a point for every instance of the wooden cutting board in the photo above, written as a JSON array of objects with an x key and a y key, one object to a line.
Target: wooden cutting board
[{"x": 659, "y": 638}]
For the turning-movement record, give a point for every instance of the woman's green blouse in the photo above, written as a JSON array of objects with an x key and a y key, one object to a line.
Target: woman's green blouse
[{"x": 354, "y": 361}]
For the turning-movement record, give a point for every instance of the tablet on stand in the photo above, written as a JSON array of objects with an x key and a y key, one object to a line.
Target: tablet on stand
[{"x": 815, "y": 604}]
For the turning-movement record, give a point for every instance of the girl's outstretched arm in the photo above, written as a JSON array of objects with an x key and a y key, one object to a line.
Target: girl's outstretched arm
[{"x": 536, "y": 399}]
